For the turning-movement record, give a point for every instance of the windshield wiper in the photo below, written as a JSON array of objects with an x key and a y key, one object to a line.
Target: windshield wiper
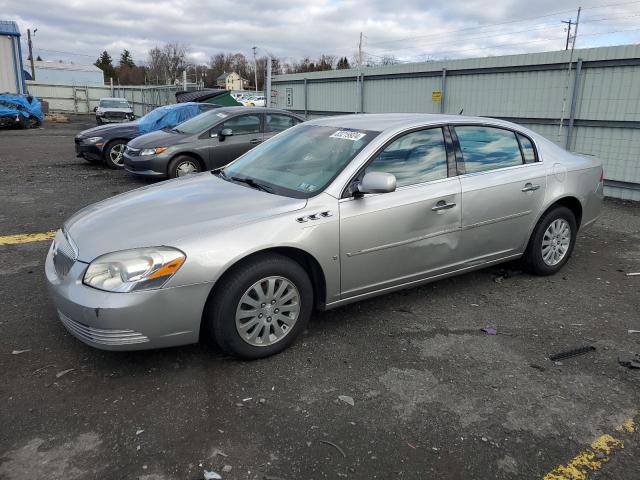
[{"x": 252, "y": 183}]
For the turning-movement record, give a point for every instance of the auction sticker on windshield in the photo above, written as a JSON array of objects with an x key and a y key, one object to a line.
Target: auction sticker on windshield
[{"x": 348, "y": 135}]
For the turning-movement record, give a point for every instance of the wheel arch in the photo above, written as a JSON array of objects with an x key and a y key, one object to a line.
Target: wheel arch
[
  {"x": 569, "y": 201},
  {"x": 298, "y": 255}
]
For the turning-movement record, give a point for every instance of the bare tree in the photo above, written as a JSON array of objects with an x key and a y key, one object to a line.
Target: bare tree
[{"x": 176, "y": 59}]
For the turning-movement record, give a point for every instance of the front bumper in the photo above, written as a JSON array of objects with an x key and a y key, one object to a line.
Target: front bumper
[
  {"x": 147, "y": 166},
  {"x": 88, "y": 151},
  {"x": 143, "y": 320}
]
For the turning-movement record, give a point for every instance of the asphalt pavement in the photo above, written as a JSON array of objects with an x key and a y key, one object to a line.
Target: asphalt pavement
[{"x": 401, "y": 386}]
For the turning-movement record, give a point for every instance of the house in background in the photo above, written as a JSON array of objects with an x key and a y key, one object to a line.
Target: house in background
[
  {"x": 232, "y": 81},
  {"x": 11, "y": 76},
  {"x": 67, "y": 73}
]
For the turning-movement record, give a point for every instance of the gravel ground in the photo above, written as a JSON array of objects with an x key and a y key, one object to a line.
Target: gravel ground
[{"x": 433, "y": 396}]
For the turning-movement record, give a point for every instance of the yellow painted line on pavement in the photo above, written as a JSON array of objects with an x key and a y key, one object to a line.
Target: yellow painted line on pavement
[
  {"x": 27, "y": 238},
  {"x": 592, "y": 458}
]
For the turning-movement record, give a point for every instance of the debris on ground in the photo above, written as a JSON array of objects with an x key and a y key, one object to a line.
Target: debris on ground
[
  {"x": 633, "y": 363},
  {"x": 633, "y": 274},
  {"x": 537, "y": 367},
  {"x": 247, "y": 399},
  {"x": 211, "y": 475},
  {"x": 227, "y": 469},
  {"x": 64, "y": 372},
  {"x": 571, "y": 353},
  {"x": 334, "y": 446},
  {"x": 634, "y": 331},
  {"x": 18, "y": 352},
  {"x": 139, "y": 432},
  {"x": 56, "y": 118},
  {"x": 490, "y": 330},
  {"x": 346, "y": 399}
]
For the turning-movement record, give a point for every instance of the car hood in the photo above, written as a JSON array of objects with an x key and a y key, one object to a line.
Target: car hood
[
  {"x": 129, "y": 129},
  {"x": 165, "y": 213},
  {"x": 109, "y": 109},
  {"x": 159, "y": 138}
]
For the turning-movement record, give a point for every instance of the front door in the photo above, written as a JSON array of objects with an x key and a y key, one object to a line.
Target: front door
[
  {"x": 406, "y": 235},
  {"x": 276, "y": 123},
  {"x": 247, "y": 133},
  {"x": 503, "y": 187}
]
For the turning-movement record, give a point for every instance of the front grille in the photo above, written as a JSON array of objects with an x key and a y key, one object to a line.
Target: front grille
[
  {"x": 115, "y": 115},
  {"x": 64, "y": 255},
  {"x": 101, "y": 336},
  {"x": 132, "y": 152}
]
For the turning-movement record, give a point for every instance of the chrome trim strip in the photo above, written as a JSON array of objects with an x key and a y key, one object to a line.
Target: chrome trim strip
[
  {"x": 101, "y": 336},
  {"x": 496, "y": 220}
]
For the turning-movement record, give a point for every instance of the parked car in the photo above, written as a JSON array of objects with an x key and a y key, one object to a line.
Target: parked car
[
  {"x": 106, "y": 143},
  {"x": 255, "y": 101},
  {"x": 329, "y": 212},
  {"x": 114, "y": 110},
  {"x": 208, "y": 141},
  {"x": 22, "y": 111}
]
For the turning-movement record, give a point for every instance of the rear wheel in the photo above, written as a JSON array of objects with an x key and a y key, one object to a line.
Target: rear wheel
[
  {"x": 262, "y": 308},
  {"x": 114, "y": 154},
  {"x": 183, "y": 165},
  {"x": 552, "y": 241}
]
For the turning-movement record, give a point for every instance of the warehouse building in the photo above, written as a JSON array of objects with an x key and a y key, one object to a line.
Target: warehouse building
[
  {"x": 11, "y": 71},
  {"x": 67, "y": 74}
]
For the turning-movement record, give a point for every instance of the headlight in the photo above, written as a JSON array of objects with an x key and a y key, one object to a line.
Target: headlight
[
  {"x": 133, "y": 270},
  {"x": 153, "y": 151},
  {"x": 92, "y": 140}
]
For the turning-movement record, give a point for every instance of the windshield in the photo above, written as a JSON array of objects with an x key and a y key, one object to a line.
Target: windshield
[
  {"x": 114, "y": 104},
  {"x": 200, "y": 123},
  {"x": 302, "y": 161}
]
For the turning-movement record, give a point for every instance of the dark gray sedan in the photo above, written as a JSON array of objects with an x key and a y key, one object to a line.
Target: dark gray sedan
[{"x": 207, "y": 141}]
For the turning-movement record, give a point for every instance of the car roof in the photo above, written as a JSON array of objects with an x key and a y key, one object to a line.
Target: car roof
[
  {"x": 241, "y": 109},
  {"x": 114, "y": 98},
  {"x": 393, "y": 121}
]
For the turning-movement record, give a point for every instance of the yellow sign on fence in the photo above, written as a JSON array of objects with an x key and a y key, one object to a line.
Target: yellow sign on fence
[{"x": 436, "y": 96}]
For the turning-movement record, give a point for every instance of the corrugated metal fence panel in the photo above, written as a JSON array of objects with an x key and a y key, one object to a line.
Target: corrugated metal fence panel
[
  {"x": 338, "y": 96},
  {"x": 401, "y": 95},
  {"x": 611, "y": 93}
]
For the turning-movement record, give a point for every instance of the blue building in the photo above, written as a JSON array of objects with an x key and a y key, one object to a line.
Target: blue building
[{"x": 11, "y": 69}]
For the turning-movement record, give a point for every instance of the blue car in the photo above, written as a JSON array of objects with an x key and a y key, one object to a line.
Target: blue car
[
  {"x": 22, "y": 111},
  {"x": 107, "y": 143}
]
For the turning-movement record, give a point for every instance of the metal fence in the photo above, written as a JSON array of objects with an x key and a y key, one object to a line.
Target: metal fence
[
  {"x": 83, "y": 99},
  {"x": 590, "y": 105}
]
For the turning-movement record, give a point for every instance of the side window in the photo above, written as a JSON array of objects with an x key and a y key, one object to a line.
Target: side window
[
  {"x": 528, "y": 152},
  {"x": 416, "y": 157},
  {"x": 243, "y": 125},
  {"x": 278, "y": 123},
  {"x": 488, "y": 148}
]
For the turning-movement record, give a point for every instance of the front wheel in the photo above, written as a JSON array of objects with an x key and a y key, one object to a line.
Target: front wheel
[
  {"x": 262, "y": 308},
  {"x": 183, "y": 165},
  {"x": 552, "y": 241},
  {"x": 114, "y": 154}
]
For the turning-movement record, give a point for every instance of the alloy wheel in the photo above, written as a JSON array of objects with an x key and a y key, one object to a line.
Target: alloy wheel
[
  {"x": 187, "y": 167},
  {"x": 116, "y": 154},
  {"x": 556, "y": 241},
  {"x": 267, "y": 311}
]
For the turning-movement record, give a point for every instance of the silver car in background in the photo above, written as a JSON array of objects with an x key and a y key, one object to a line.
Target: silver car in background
[{"x": 329, "y": 212}]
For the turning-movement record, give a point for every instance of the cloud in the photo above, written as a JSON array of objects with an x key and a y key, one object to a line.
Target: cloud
[{"x": 411, "y": 30}]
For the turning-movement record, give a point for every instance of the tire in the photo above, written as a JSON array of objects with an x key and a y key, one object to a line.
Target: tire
[
  {"x": 113, "y": 154},
  {"x": 183, "y": 165},
  {"x": 98, "y": 121},
  {"x": 23, "y": 123},
  {"x": 268, "y": 326},
  {"x": 557, "y": 229}
]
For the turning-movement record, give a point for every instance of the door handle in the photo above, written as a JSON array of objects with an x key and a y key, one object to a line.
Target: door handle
[
  {"x": 530, "y": 187},
  {"x": 255, "y": 141},
  {"x": 442, "y": 205}
]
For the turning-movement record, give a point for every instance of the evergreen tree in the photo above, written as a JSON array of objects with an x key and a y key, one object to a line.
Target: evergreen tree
[
  {"x": 343, "y": 63},
  {"x": 126, "y": 60},
  {"x": 105, "y": 64}
]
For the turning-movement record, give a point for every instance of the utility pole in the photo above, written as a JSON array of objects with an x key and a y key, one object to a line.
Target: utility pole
[
  {"x": 566, "y": 87},
  {"x": 575, "y": 32},
  {"x": 30, "y": 44},
  {"x": 255, "y": 70},
  {"x": 359, "y": 79},
  {"x": 569, "y": 23}
]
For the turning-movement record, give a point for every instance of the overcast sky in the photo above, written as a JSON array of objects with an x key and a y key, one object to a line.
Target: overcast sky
[{"x": 412, "y": 30}]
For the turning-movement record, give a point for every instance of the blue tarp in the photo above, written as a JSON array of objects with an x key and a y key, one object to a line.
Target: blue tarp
[
  {"x": 26, "y": 105},
  {"x": 168, "y": 116}
]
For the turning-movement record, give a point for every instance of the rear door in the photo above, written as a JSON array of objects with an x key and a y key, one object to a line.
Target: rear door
[
  {"x": 409, "y": 234},
  {"x": 503, "y": 186},
  {"x": 276, "y": 123},
  {"x": 247, "y": 133}
]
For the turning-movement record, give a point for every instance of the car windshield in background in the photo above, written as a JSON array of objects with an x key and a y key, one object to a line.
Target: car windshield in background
[
  {"x": 199, "y": 123},
  {"x": 114, "y": 104},
  {"x": 300, "y": 162}
]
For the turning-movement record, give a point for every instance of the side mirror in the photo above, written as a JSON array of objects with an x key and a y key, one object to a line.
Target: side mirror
[
  {"x": 225, "y": 132},
  {"x": 377, "y": 182}
]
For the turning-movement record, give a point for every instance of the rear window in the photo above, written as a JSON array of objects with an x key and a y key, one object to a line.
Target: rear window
[
  {"x": 528, "y": 151},
  {"x": 488, "y": 148}
]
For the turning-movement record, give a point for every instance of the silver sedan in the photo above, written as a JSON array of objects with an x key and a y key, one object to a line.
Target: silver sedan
[{"x": 329, "y": 212}]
